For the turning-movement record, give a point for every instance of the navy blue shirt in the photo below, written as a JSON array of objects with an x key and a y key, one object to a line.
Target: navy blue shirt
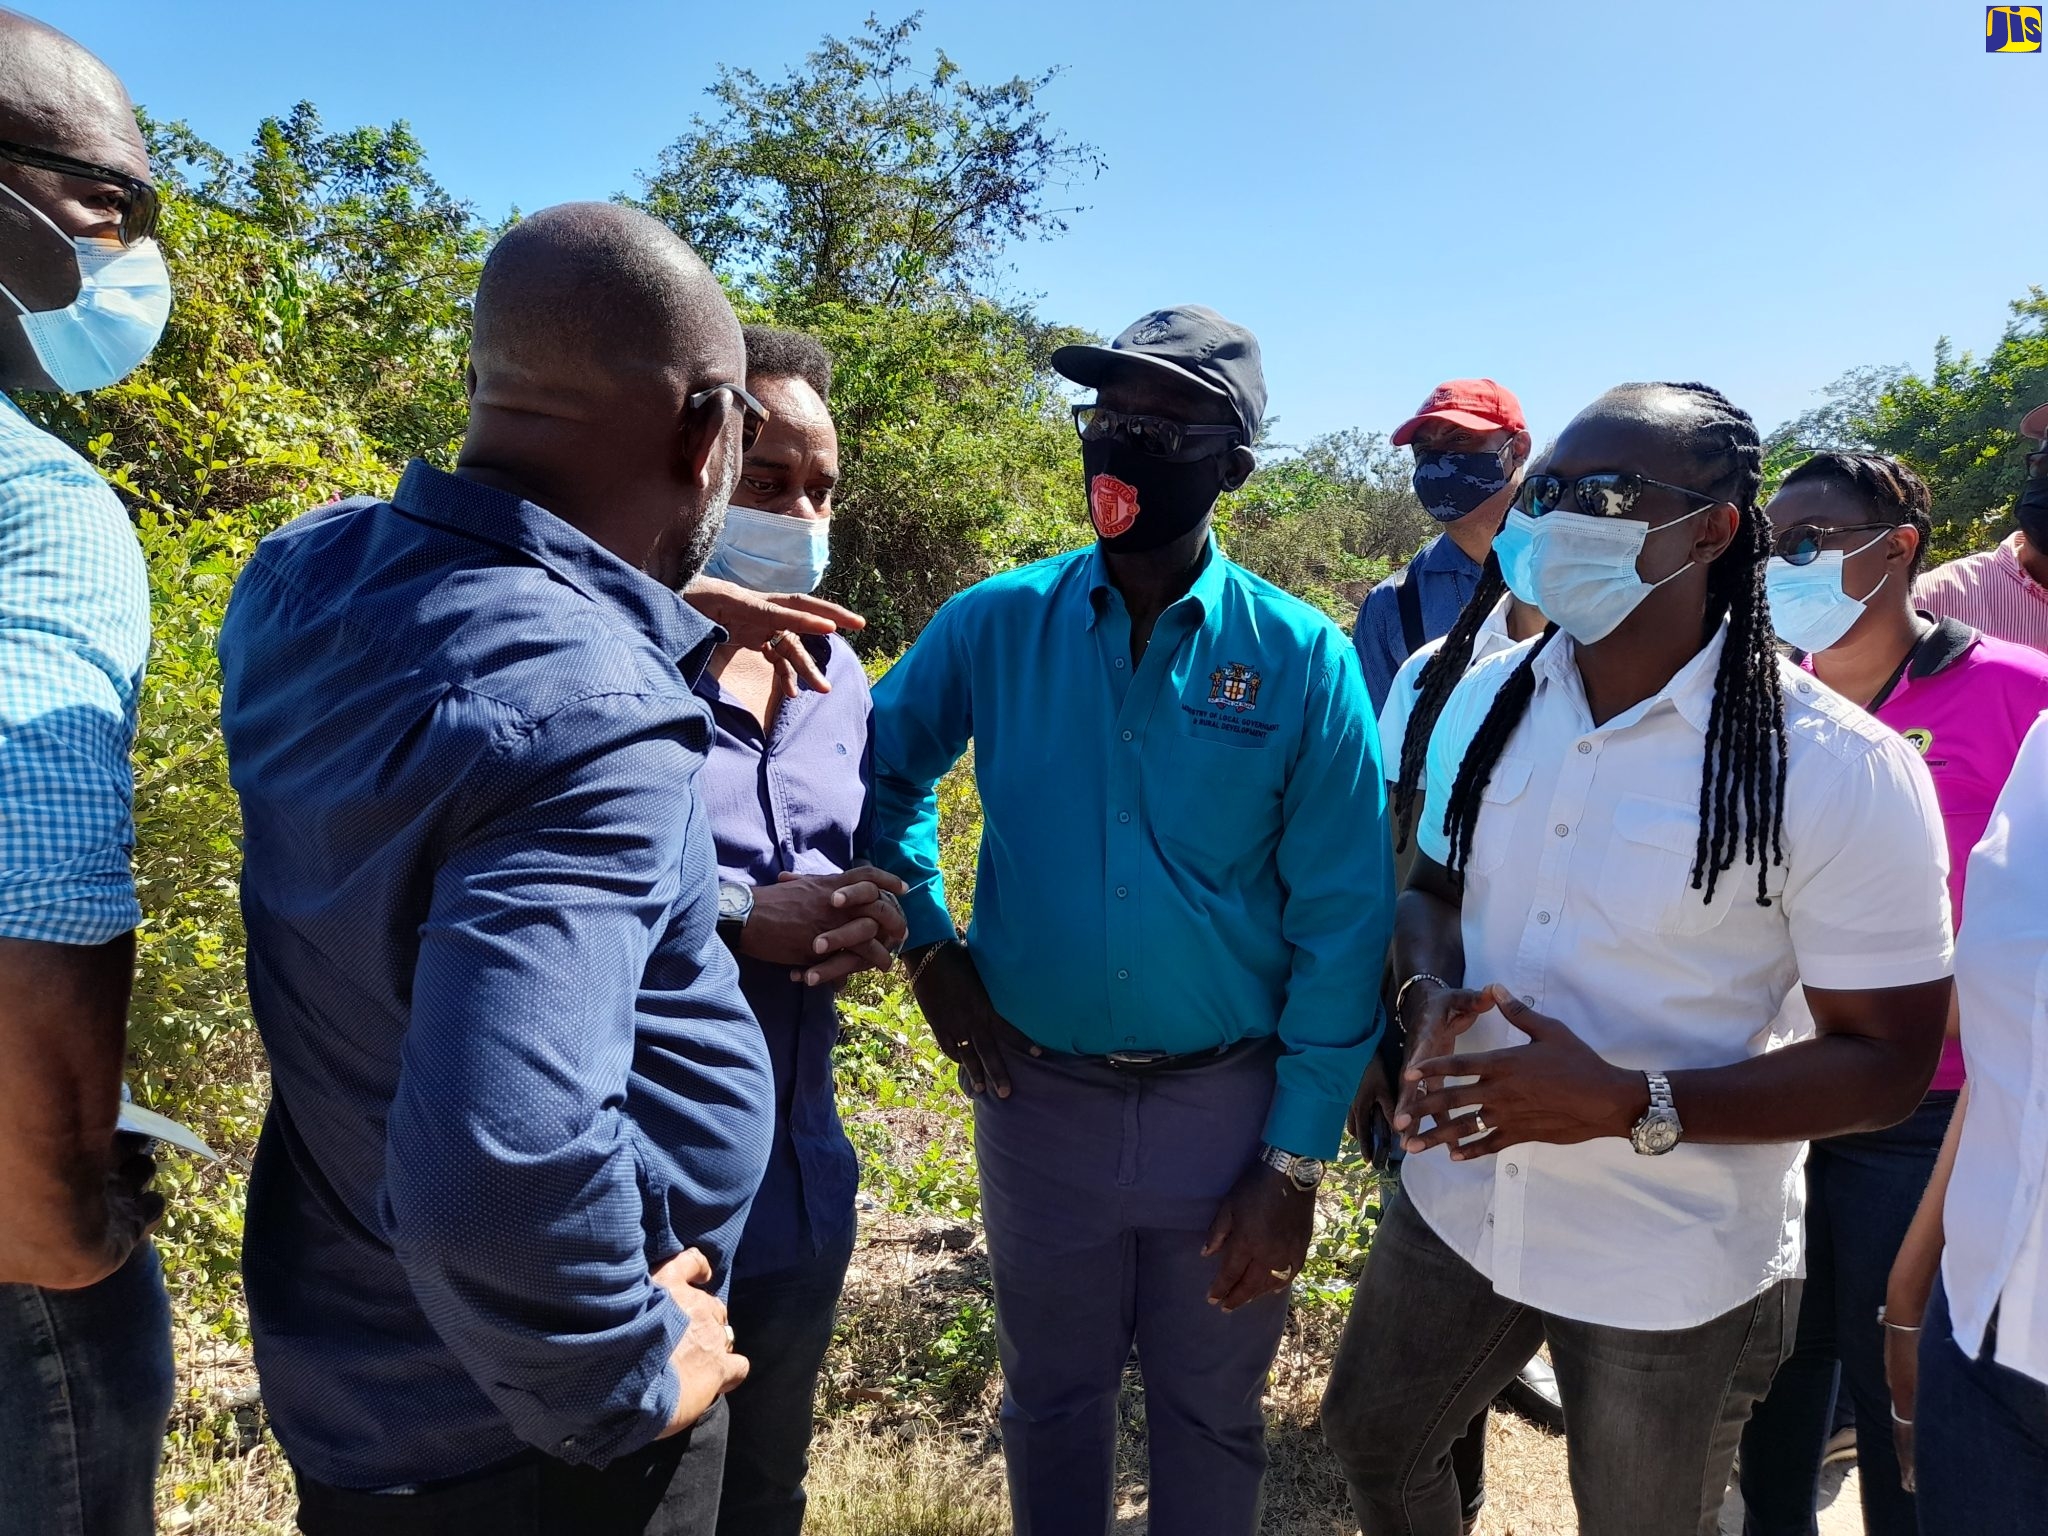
[
  {"x": 1445, "y": 578},
  {"x": 511, "y": 1068},
  {"x": 794, "y": 800}
]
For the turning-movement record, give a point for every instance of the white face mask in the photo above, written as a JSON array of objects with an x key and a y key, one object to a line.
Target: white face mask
[
  {"x": 771, "y": 551},
  {"x": 1809, "y": 609},
  {"x": 1578, "y": 568},
  {"x": 101, "y": 336}
]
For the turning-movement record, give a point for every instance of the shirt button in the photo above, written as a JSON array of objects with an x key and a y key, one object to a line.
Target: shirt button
[
  {"x": 1542, "y": 917},
  {"x": 1123, "y": 975},
  {"x": 1514, "y": 1171},
  {"x": 1123, "y": 815},
  {"x": 1127, "y": 735},
  {"x": 1122, "y": 892},
  {"x": 1528, "y": 1000},
  {"x": 1585, "y": 747},
  {"x": 1563, "y": 830},
  {"x": 1119, "y": 663}
]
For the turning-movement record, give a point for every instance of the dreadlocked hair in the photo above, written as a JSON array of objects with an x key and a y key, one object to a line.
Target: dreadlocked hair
[
  {"x": 1433, "y": 689},
  {"x": 1742, "y": 784}
]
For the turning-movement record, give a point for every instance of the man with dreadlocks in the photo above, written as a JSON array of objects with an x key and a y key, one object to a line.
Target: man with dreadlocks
[{"x": 1611, "y": 1162}]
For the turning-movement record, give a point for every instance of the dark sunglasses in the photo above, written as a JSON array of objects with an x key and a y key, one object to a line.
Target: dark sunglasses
[
  {"x": 1157, "y": 435},
  {"x": 754, "y": 415},
  {"x": 1607, "y": 495},
  {"x": 2037, "y": 464},
  {"x": 1802, "y": 543},
  {"x": 140, "y": 203}
]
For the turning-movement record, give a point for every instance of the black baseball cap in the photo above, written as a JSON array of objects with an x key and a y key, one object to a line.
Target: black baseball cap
[{"x": 1190, "y": 341}]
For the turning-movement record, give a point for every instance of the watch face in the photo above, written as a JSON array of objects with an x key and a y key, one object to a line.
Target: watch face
[
  {"x": 1657, "y": 1134},
  {"x": 1307, "y": 1172},
  {"x": 734, "y": 901}
]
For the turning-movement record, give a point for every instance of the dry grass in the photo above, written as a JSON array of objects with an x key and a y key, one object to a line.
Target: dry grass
[{"x": 908, "y": 1445}]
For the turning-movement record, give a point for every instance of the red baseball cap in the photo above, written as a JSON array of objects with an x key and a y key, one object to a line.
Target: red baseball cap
[{"x": 1480, "y": 404}]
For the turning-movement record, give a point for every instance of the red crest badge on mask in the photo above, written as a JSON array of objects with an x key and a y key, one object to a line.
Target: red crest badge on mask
[{"x": 1112, "y": 504}]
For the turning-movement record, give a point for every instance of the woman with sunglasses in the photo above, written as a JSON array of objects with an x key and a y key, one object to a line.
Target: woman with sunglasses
[{"x": 1849, "y": 532}]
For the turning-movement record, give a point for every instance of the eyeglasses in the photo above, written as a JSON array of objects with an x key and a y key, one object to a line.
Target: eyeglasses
[
  {"x": 2037, "y": 464},
  {"x": 140, "y": 203},
  {"x": 754, "y": 414},
  {"x": 1157, "y": 435},
  {"x": 1802, "y": 543},
  {"x": 1606, "y": 495}
]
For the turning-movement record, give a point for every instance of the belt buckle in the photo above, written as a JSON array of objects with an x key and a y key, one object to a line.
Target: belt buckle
[{"x": 1136, "y": 1061}]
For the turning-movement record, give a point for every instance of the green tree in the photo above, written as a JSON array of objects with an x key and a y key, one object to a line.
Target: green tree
[
  {"x": 857, "y": 179},
  {"x": 1327, "y": 522}
]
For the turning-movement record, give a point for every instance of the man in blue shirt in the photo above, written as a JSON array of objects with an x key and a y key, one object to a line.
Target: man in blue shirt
[
  {"x": 519, "y": 1107},
  {"x": 1471, "y": 444},
  {"x": 786, "y": 788},
  {"x": 85, "y": 1338},
  {"x": 1184, "y": 897}
]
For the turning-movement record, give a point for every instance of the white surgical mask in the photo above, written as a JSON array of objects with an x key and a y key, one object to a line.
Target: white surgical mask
[
  {"x": 1578, "y": 568},
  {"x": 1809, "y": 609},
  {"x": 101, "y": 336},
  {"x": 771, "y": 551}
]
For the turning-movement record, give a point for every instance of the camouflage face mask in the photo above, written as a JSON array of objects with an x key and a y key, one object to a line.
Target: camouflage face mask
[{"x": 1451, "y": 485}]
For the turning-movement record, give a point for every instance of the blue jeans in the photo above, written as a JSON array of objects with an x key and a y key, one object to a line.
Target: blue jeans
[
  {"x": 85, "y": 1391},
  {"x": 1861, "y": 1192},
  {"x": 1098, "y": 1188},
  {"x": 1980, "y": 1436},
  {"x": 782, "y": 1323}
]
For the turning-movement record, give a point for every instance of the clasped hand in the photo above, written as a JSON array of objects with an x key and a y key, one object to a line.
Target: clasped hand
[
  {"x": 826, "y": 927},
  {"x": 1555, "y": 1089}
]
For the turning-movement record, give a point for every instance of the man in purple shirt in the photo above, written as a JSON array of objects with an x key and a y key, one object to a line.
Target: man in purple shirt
[{"x": 786, "y": 787}]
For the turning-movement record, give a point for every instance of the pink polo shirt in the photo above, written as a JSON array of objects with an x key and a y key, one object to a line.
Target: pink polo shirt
[{"x": 1966, "y": 701}]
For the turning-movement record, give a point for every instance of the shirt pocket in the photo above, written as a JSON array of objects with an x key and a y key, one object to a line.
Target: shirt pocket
[
  {"x": 1499, "y": 805},
  {"x": 1647, "y": 883},
  {"x": 1215, "y": 805}
]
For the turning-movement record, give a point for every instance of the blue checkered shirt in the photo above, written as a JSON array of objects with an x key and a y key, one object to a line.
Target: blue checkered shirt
[{"x": 74, "y": 633}]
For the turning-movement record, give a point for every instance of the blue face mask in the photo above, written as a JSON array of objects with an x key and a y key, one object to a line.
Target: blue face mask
[
  {"x": 771, "y": 551},
  {"x": 1809, "y": 609},
  {"x": 1454, "y": 485},
  {"x": 102, "y": 336},
  {"x": 1578, "y": 568}
]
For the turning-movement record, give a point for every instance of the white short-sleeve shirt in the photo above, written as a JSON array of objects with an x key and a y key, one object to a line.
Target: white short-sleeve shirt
[
  {"x": 1578, "y": 899},
  {"x": 1996, "y": 1217},
  {"x": 1492, "y": 639}
]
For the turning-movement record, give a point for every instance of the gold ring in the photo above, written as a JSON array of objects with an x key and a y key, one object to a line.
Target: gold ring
[
  {"x": 1281, "y": 1274},
  {"x": 731, "y": 1338},
  {"x": 1479, "y": 1124}
]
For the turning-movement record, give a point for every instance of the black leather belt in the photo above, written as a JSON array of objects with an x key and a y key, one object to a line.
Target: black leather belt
[{"x": 1141, "y": 1063}]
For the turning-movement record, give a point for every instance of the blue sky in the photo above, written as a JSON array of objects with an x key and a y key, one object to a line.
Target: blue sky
[{"x": 1565, "y": 194}]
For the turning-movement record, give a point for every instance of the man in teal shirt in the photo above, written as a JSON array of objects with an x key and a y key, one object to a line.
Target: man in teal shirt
[{"x": 1165, "y": 1000}]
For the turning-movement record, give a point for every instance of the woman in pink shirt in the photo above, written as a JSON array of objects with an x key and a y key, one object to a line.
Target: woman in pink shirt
[{"x": 1850, "y": 530}]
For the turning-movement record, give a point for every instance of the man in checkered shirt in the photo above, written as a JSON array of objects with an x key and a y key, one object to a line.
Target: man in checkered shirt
[{"x": 85, "y": 1351}]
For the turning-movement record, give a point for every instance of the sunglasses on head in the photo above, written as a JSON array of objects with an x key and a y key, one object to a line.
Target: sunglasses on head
[
  {"x": 1802, "y": 543},
  {"x": 140, "y": 203},
  {"x": 753, "y": 418},
  {"x": 1159, "y": 436},
  {"x": 1604, "y": 495}
]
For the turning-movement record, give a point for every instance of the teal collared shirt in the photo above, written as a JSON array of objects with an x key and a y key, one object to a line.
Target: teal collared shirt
[{"x": 1177, "y": 855}]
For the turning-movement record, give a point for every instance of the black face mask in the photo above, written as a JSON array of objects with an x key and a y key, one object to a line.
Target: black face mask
[
  {"x": 1138, "y": 500},
  {"x": 2032, "y": 514}
]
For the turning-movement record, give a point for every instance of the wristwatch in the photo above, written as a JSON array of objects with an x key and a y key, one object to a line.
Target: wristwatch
[
  {"x": 1658, "y": 1131},
  {"x": 735, "y": 906},
  {"x": 1304, "y": 1173}
]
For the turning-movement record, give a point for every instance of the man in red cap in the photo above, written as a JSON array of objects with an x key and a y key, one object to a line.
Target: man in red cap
[
  {"x": 2002, "y": 592},
  {"x": 1470, "y": 443}
]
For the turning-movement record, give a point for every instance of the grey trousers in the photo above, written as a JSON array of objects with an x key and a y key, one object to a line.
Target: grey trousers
[
  {"x": 1097, "y": 1192},
  {"x": 1652, "y": 1418}
]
